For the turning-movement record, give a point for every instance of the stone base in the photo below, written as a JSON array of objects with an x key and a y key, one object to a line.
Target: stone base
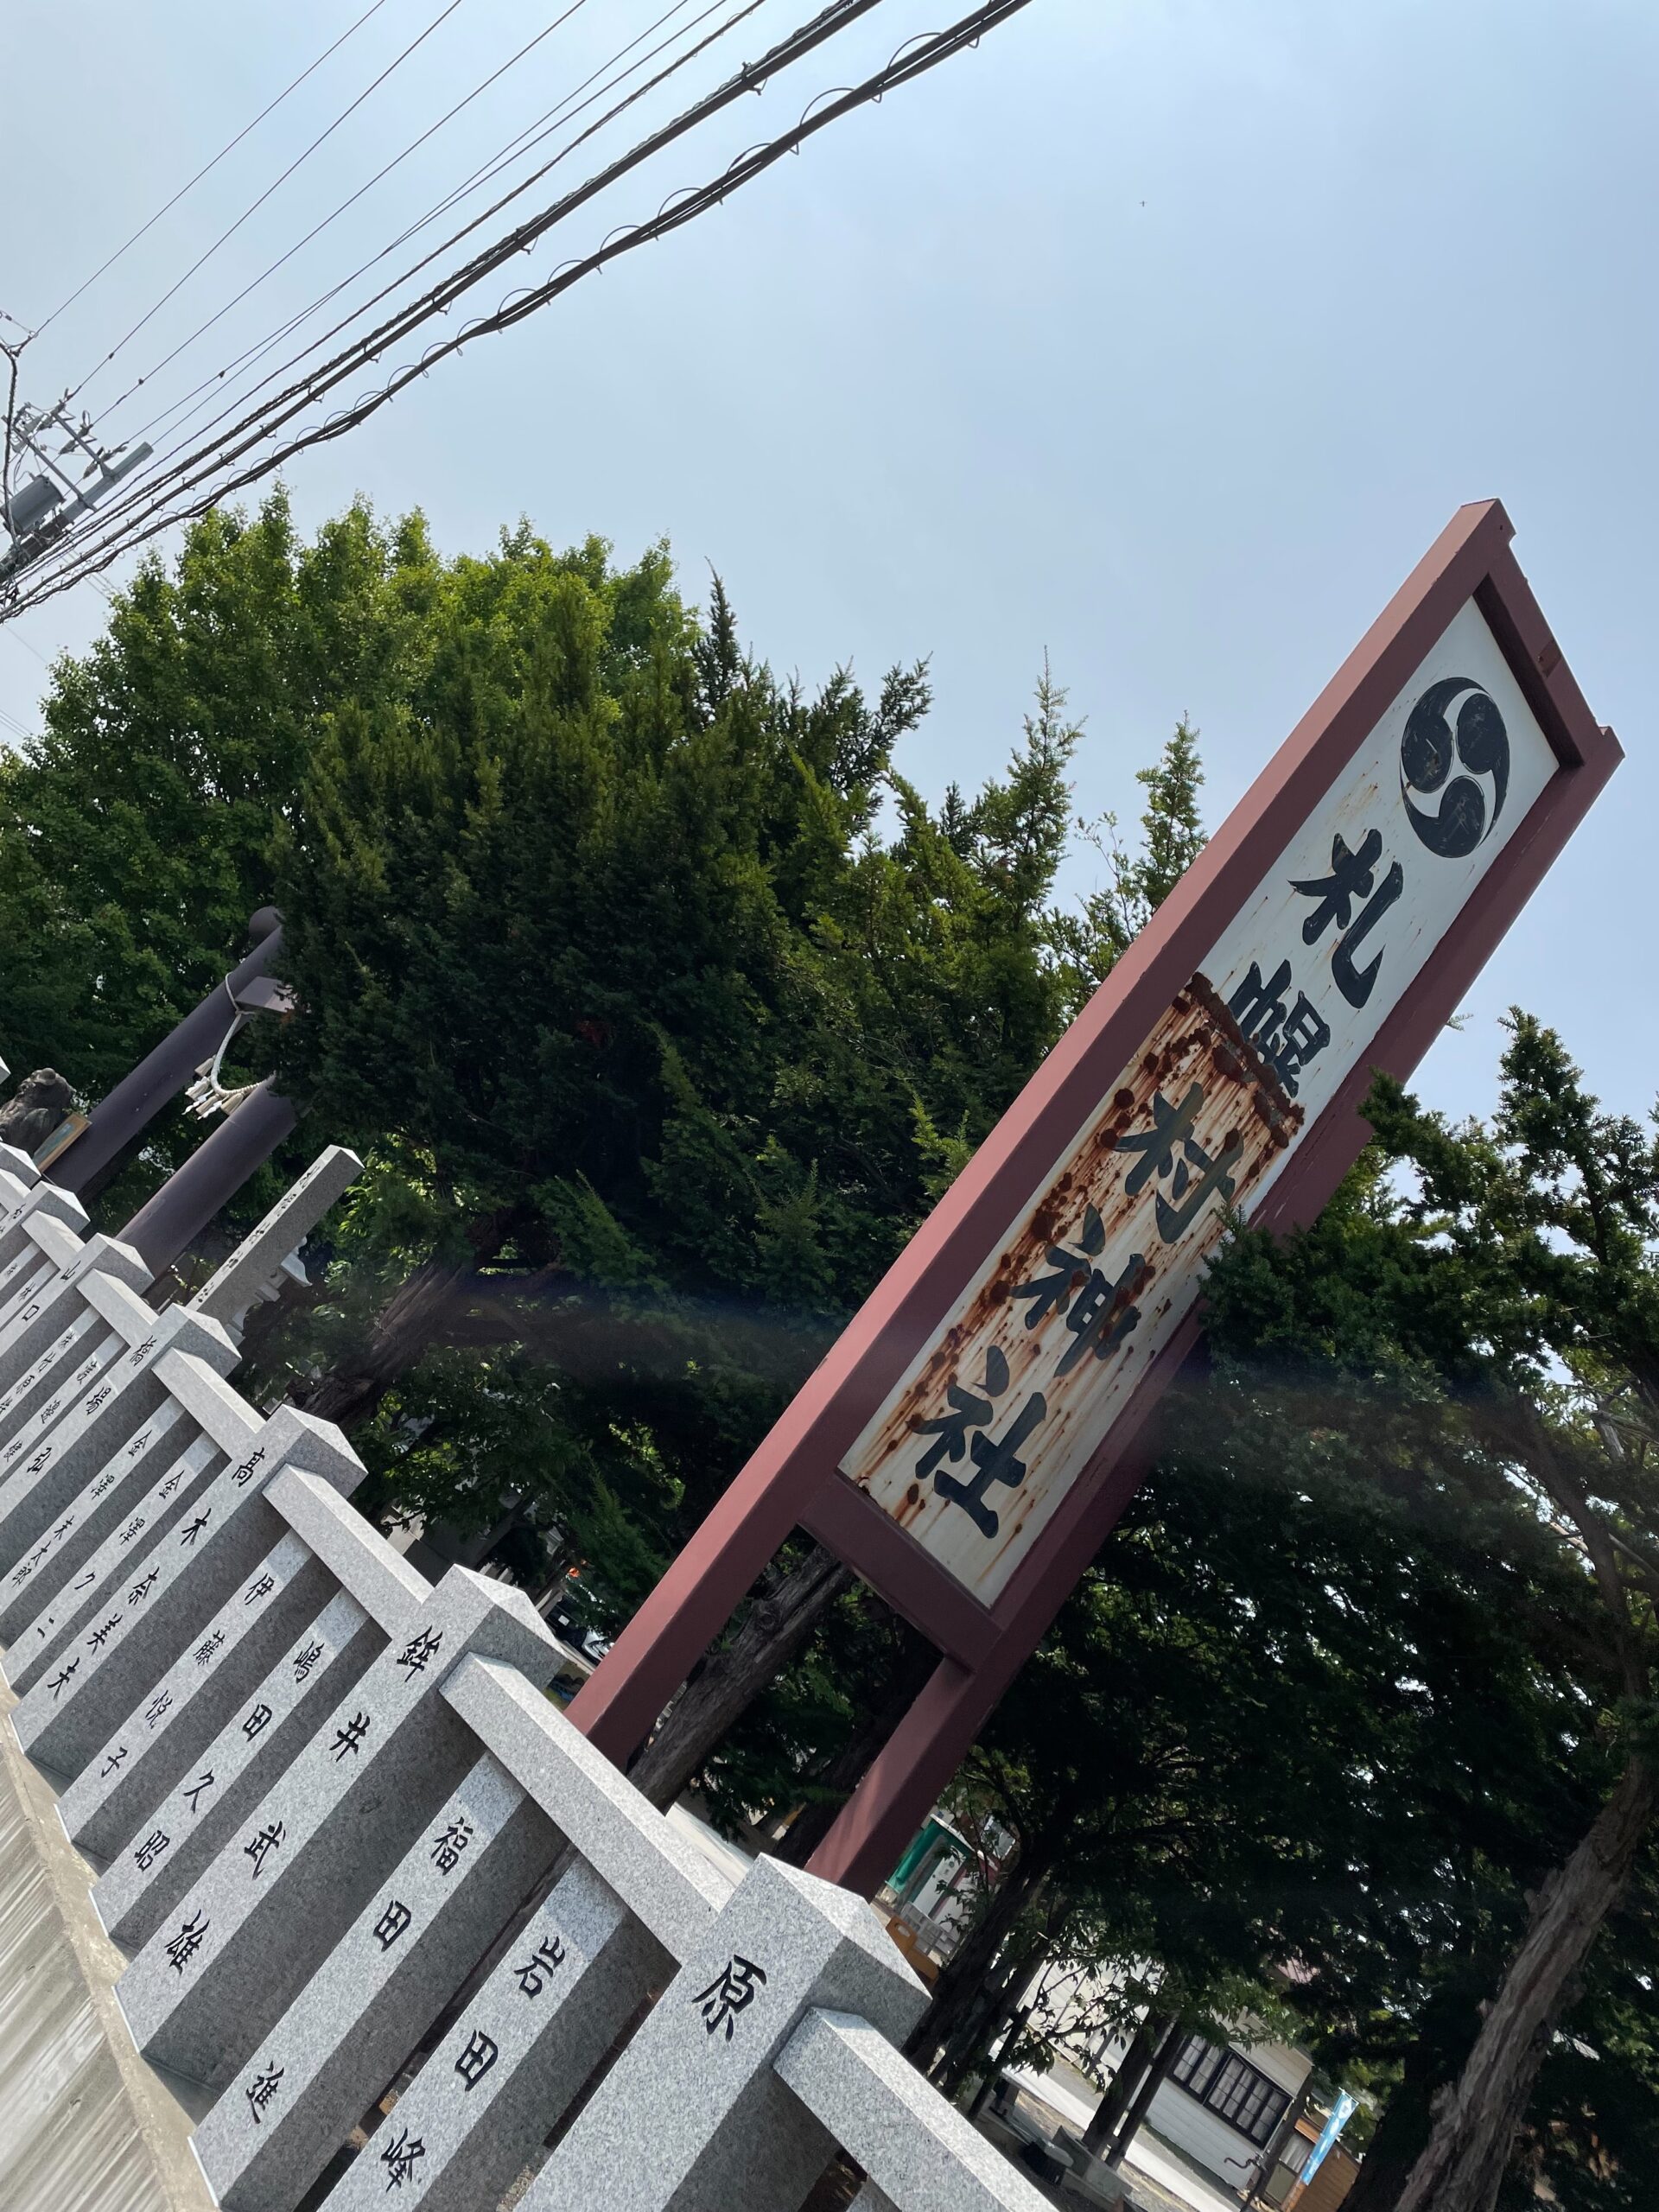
[{"x": 85, "y": 2124}]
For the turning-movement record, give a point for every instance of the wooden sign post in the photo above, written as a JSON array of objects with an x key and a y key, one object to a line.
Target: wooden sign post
[{"x": 972, "y": 1436}]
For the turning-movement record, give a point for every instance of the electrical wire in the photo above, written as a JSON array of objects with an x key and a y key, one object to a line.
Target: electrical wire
[
  {"x": 750, "y": 77},
  {"x": 442, "y": 17},
  {"x": 317, "y": 229},
  {"x": 253, "y": 354},
  {"x": 231, "y": 146},
  {"x": 914, "y": 59}
]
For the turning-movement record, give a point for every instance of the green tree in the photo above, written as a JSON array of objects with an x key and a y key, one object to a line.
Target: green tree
[
  {"x": 1494, "y": 1310},
  {"x": 135, "y": 829}
]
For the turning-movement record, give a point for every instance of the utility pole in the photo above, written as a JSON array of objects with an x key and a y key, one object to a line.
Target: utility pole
[{"x": 41, "y": 508}]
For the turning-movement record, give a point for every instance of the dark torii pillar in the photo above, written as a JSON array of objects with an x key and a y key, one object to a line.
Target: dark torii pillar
[
  {"x": 159, "y": 1078},
  {"x": 169, "y": 1223}
]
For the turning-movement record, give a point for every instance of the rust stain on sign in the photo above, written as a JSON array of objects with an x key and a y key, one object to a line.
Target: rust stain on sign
[{"x": 979, "y": 1441}]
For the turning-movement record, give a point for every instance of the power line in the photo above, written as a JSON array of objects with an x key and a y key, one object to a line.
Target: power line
[
  {"x": 254, "y": 353},
  {"x": 913, "y": 60},
  {"x": 299, "y": 161},
  {"x": 351, "y": 200},
  {"x": 284, "y": 405},
  {"x": 230, "y": 147}
]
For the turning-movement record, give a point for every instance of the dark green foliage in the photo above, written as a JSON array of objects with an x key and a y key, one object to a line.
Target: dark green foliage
[
  {"x": 1466, "y": 1343},
  {"x": 135, "y": 830},
  {"x": 666, "y": 1007}
]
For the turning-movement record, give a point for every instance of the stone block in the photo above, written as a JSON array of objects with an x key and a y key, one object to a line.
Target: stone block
[
  {"x": 257, "y": 1259},
  {"x": 37, "y": 1201},
  {"x": 26, "y": 1270},
  {"x": 921, "y": 2154},
  {"x": 144, "y": 1879},
  {"x": 348, "y": 2030},
  {"x": 42, "y": 1596},
  {"x": 213, "y": 1980},
  {"x": 81, "y": 1349},
  {"x": 42, "y": 1309},
  {"x": 389, "y": 1590},
  {"x": 160, "y": 1741},
  {"x": 177, "y": 1586},
  {"x": 46, "y": 1463},
  {"x": 546, "y": 2016},
  {"x": 666, "y": 1883},
  {"x": 723, "y": 2130},
  {"x": 327, "y": 1546},
  {"x": 143, "y": 1486}
]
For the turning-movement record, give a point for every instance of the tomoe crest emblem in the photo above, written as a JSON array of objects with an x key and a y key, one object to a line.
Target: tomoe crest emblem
[{"x": 1455, "y": 726}]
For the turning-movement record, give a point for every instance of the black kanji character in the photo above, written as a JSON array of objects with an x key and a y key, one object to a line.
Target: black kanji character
[
  {"x": 183, "y": 1947},
  {"x": 967, "y": 1410},
  {"x": 1102, "y": 1316},
  {"x": 150, "y": 1850},
  {"x": 1352, "y": 876},
  {"x": 419, "y": 1649},
  {"x": 199, "y": 1787},
  {"x": 392, "y": 1923},
  {"x": 448, "y": 1847},
  {"x": 1286, "y": 1041},
  {"x": 264, "y": 1842},
  {"x": 547, "y": 1953},
  {"x": 993, "y": 1463},
  {"x": 1052, "y": 1293},
  {"x": 731, "y": 1992},
  {"x": 400, "y": 2158},
  {"x": 349, "y": 1738},
  {"x": 475, "y": 2061},
  {"x": 262, "y": 2089},
  {"x": 1172, "y": 1126},
  {"x": 1193, "y": 1176}
]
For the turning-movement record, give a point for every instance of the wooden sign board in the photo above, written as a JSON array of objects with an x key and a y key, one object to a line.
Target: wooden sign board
[{"x": 971, "y": 1437}]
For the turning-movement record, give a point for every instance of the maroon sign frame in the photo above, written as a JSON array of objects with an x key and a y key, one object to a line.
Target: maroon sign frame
[{"x": 793, "y": 1479}]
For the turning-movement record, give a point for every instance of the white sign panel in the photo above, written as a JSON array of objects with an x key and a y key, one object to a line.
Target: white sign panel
[{"x": 995, "y": 1420}]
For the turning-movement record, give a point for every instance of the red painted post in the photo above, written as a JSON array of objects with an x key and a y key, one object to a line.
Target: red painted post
[{"x": 1441, "y": 770}]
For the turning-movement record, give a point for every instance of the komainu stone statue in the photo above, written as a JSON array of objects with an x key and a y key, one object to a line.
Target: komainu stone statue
[{"x": 34, "y": 1109}]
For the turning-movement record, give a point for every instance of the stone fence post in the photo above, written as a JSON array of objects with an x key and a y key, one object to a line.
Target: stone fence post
[{"x": 355, "y": 1853}]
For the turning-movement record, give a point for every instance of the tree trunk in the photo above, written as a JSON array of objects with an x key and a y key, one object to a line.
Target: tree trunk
[
  {"x": 1032, "y": 1972},
  {"x": 775, "y": 1627},
  {"x": 1126, "y": 2080},
  {"x": 401, "y": 1333},
  {"x": 1476, "y": 2119},
  {"x": 966, "y": 1972},
  {"x": 1398, "y": 2142},
  {"x": 994, "y": 2002},
  {"x": 1135, "y": 2119}
]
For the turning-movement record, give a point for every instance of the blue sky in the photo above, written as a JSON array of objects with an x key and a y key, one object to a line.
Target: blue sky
[{"x": 1160, "y": 337}]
